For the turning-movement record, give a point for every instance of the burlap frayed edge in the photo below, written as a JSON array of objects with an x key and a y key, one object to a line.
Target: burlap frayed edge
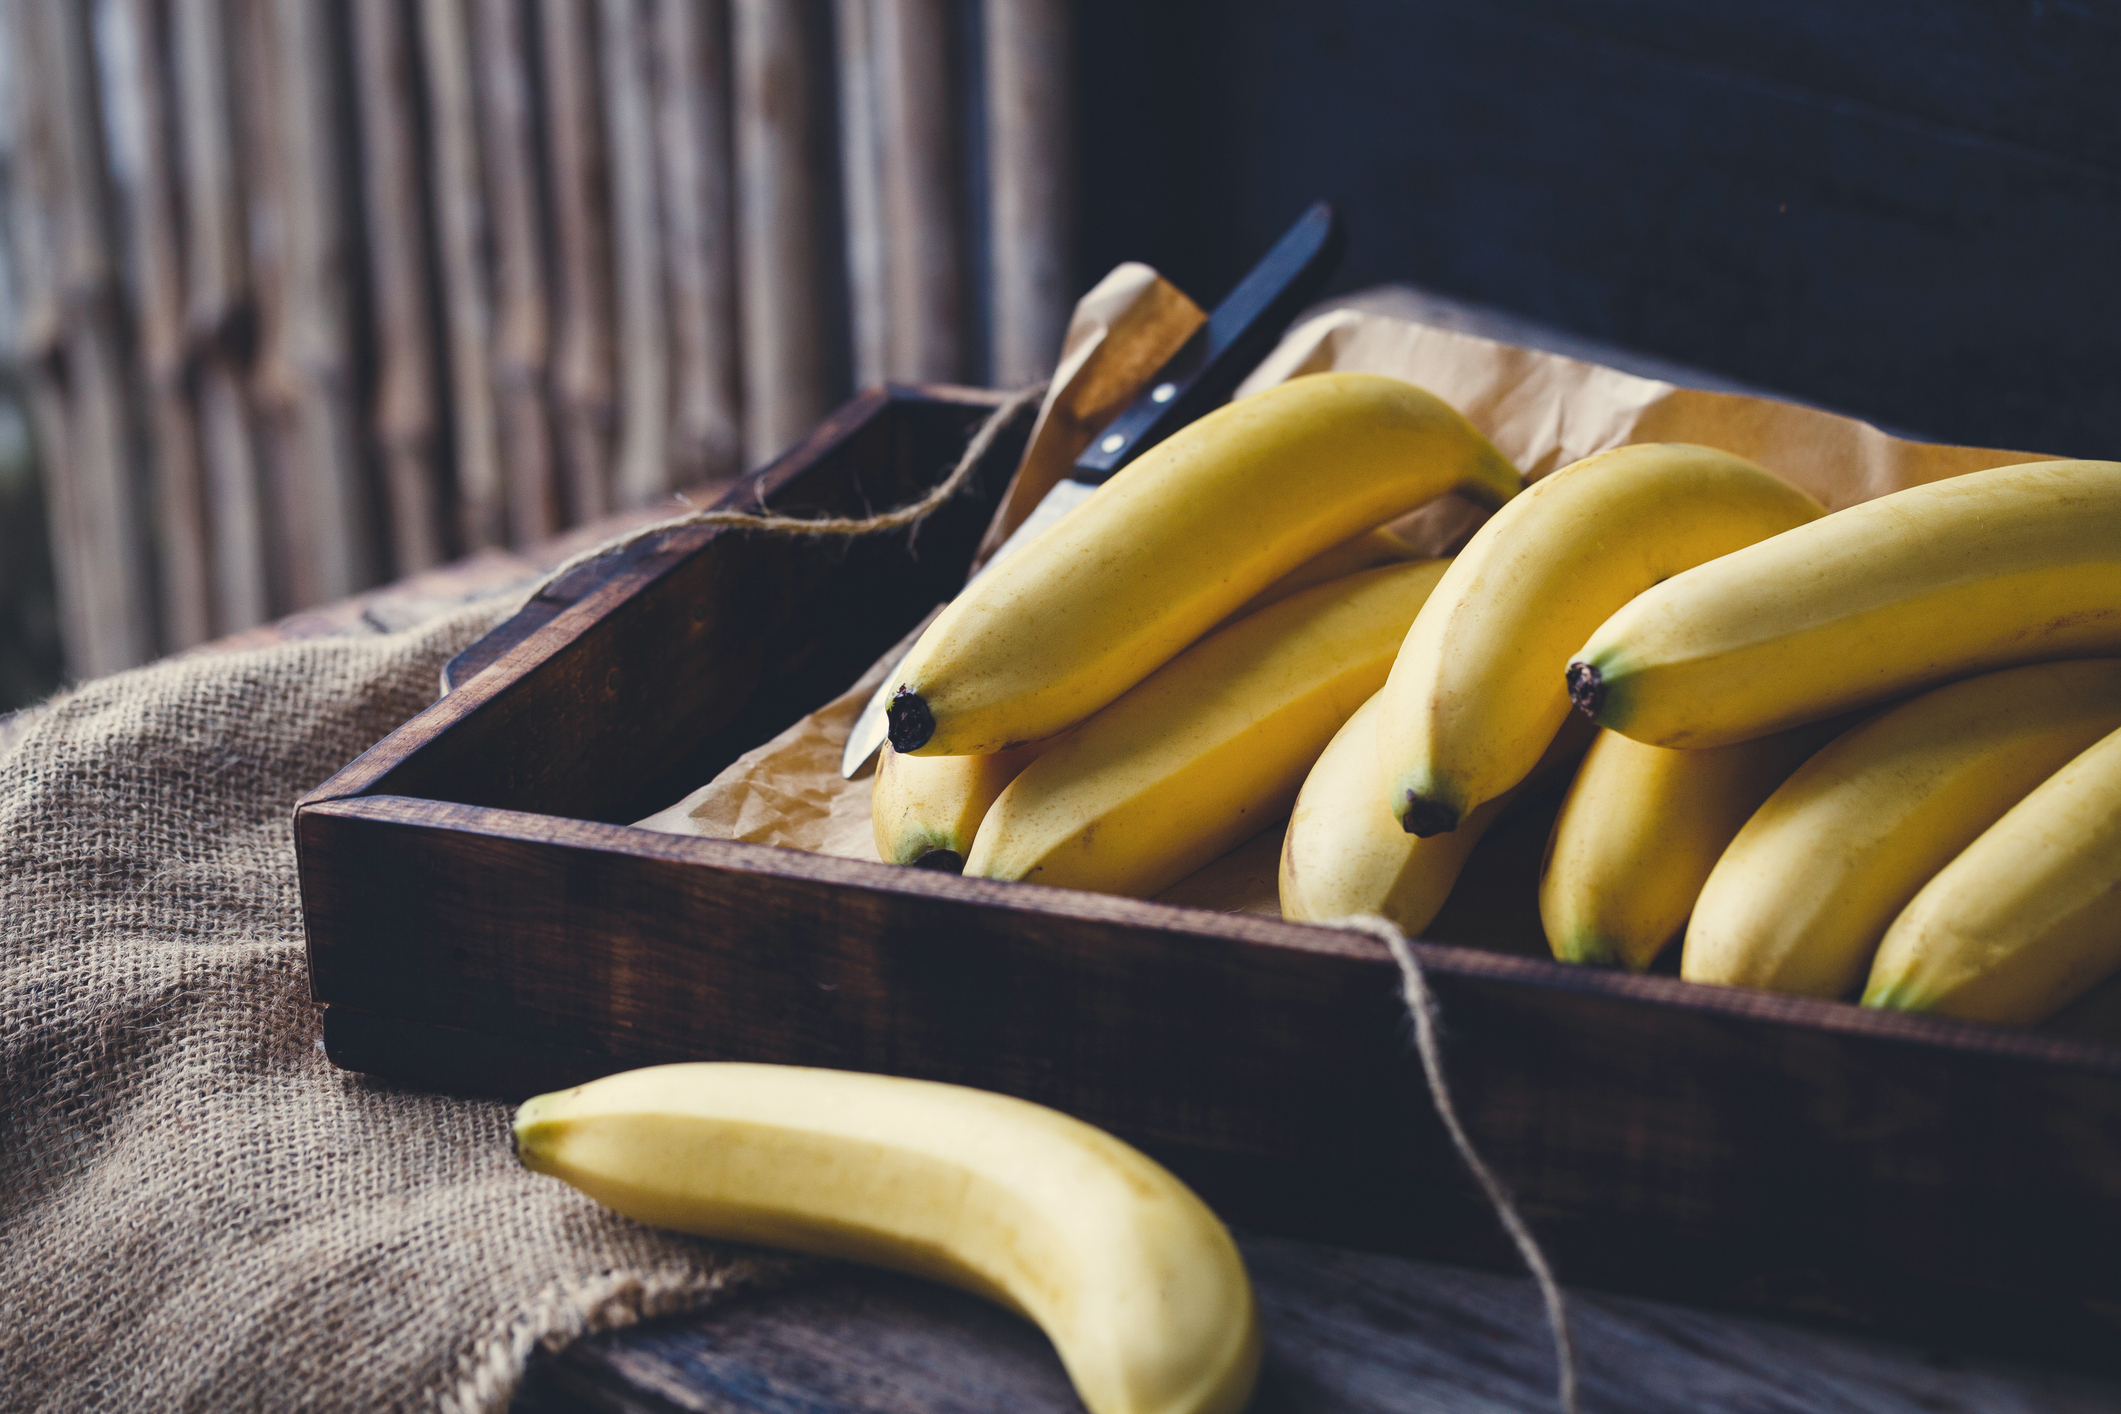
[{"x": 565, "y": 1311}]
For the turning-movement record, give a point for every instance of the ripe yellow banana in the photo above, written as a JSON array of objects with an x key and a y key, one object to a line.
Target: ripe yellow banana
[
  {"x": 1171, "y": 545},
  {"x": 1640, "y": 830},
  {"x": 1344, "y": 854},
  {"x": 1799, "y": 901},
  {"x": 1206, "y": 752},
  {"x": 2018, "y": 564},
  {"x": 1134, "y": 1279},
  {"x": 2023, "y": 922},
  {"x": 1478, "y": 689},
  {"x": 926, "y": 809},
  {"x": 1370, "y": 550}
]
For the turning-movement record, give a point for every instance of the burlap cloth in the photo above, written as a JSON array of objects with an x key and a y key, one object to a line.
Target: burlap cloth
[{"x": 197, "y": 1211}]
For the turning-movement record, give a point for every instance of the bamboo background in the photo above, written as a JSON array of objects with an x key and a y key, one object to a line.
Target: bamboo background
[{"x": 299, "y": 297}]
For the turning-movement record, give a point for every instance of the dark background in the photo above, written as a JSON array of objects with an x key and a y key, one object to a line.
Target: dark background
[{"x": 1908, "y": 211}]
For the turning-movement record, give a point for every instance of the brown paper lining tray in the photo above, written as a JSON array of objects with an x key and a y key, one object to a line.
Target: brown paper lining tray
[{"x": 478, "y": 922}]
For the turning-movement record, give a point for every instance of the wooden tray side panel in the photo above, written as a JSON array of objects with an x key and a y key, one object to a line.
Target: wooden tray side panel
[
  {"x": 691, "y": 650},
  {"x": 1658, "y": 1146}
]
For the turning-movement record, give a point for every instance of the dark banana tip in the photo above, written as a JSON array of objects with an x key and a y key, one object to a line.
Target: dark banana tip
[
  {"x": 910, "y": 721},
  {"x": 1427, "y": 817},
  {"x": 943, "y": 861},
  {"x": 1586, "y": 689}
]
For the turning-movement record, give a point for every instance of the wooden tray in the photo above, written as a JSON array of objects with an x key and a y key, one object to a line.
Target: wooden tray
[{"x": 479, "y": 920}]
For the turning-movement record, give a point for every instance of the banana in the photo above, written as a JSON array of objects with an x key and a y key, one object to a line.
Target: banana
[
  {"x": 1344, "y": 854},
  {"x": 1134, "y": 1279},
  {"x": 1799, "y": 901},
  {"x": 2022, "y": 923},
  {"x": 2016, "y": 564},
  {"x": 1171, "y": 545},
  {"x": 1208, "y": 750},
  {"x": 926, "y": 809},
  {"x": 1477, "y": 691},
  {"x": 1372, "y": 549},
  {"x": 1640, "y": 830}
]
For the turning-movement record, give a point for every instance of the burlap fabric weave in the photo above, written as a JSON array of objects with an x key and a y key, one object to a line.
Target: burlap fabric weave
[{"x": 197, "y": 1211}]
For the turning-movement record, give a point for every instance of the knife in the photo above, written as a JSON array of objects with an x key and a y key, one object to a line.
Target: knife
[{"x": 1198, "y": 378}]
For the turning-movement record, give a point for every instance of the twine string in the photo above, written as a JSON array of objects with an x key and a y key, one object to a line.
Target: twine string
[
  {"x": 767, "y": 522},
  {"x": 1421, "y": 1006}
]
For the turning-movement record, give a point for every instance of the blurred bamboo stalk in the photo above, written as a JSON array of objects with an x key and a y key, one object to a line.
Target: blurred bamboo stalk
[
  {"x": 917, "y": 136},
  {"x": 860, "y": 161},
  {"x": 522, "y": 330},
  {"x": 1031, "y": 181},
  {"x": 642, "y": 472},
  {"x": 668, "y": 324},
  {"x": 467, "y": 314},
  {"x": 39, "y": 332},
  {"x": 323, "y": 510},
  {"x": 78, "y": 386},
  {"x": 581, "y": 371},
  {"x": 158, "y": 280},
  {"x": 218, "y": 317},
  {"x": 407, "y": 414},
  {"x": 692, "y": 107},
  {"x": 269, "y": 392},
  {"x": 782, "y": 333}
]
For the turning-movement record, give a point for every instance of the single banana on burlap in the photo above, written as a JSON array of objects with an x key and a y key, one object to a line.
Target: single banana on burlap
[
  {"x": 1800, "y": 900},
  {"x": 1343, "y": 853},
  {"x": 1171, "y": 546},
  {"x": 925, "y": 810},
  {"x": 1640, "y": 830},
  {"x": 2023, "y": 922},
  {"x": 1478, "y": 689},
  {"x": 1206, "y": 752},
  {"x": 2017, "y": 564},
  {"x": 1136, "y": 1282}
]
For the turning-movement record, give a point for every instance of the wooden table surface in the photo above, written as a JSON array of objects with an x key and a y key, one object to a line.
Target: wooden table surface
[{"x": 1347, "y": 1332}]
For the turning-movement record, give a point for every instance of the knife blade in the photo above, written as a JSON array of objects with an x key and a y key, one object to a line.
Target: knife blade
[{"x": 1200, "y": 377}]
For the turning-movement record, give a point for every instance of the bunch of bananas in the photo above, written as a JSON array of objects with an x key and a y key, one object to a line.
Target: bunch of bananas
[{"x": 1870, "y": 750}]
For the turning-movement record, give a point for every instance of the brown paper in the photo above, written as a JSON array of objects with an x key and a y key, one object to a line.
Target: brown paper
[
  {"x": 1542, "y": 410},
  {"x": 1122, "y": 332}
]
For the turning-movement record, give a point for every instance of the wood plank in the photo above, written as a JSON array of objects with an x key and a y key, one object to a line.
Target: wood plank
[
  {"x": 861, "y": 162},
  {"x": 325, "y": 475},
  {"x": 462, "y": 236},
  {"x": 219, "y": 317},
  {"x": 641, "y": 473},
  {"x": 407, "y": 411},
  {"x": 1346, "y": 1333},
  {"x": 1030, "y": 58},
  {"x": 145, "y": 112},
  {"x": 778, "y": 173},
  {"x": 83, "y": 411},
  {"x": 917, "y": 136},
  {"x": 582, "y": 354},
  {"x": 699, "y": 230},
  {"x": 521, "y": 335}
]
